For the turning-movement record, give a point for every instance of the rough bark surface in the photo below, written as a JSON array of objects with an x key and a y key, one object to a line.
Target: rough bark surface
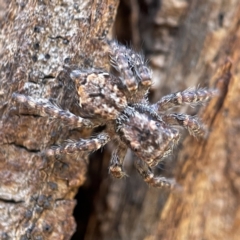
[
  {"x": 40, "y": 41},
  {"x": 187, "y": 44}
]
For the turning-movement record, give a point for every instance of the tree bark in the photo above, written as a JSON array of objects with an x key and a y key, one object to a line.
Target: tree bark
[
  {"x": 188, "y": 43},
  {"x": 40, "y": 40}
]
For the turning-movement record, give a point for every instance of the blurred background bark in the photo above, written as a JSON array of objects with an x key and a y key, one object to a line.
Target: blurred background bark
[{"x": 188, "y": 43}]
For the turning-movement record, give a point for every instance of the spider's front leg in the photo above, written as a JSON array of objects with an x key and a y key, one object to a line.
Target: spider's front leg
[
  {"x": 83, "y": 145},
  {"x": 116, "y": 163},
  {"x": 45, "y": 108},
  {"x": 148, "y": 176}
]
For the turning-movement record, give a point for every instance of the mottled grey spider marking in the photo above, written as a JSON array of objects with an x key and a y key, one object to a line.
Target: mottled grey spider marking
[
  {"x": 82, "y": 145},
  {"x": 135, "y": 76},
  {"x": 45, "y": 108},
  {"x": 188, "y": 96},
  {"x": 119, "y": 101}
]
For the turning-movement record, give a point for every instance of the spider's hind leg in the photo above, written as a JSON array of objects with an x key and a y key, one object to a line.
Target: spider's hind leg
[
  {"x": 192, "y": 124},
  {"x": 120, "y": 62},
  {"x": 188, "y": 96},
  {"x": 44, "y": 108},
  {"x": 134, "y": 73}
]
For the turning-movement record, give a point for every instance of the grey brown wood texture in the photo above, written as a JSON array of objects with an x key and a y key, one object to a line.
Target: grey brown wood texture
[
  {"x": 188, "y": 44},
  {"x": 39, "y": 41}
]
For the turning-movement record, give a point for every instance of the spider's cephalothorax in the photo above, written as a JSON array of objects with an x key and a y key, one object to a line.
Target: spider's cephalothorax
[
  {"x": 149, "y": 138},
  {"x": 119, "y": 101}
]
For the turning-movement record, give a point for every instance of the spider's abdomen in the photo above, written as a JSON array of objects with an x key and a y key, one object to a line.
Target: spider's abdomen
[
  {"x": 99, "y": 94},
  {"x": 151, "y": 140}
]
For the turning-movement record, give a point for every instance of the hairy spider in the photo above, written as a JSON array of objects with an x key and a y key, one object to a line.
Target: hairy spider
[{"x": 119, "y": 100}]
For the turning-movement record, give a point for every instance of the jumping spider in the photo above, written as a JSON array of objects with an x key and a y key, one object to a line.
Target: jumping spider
[{"x": 119, "y": 101}]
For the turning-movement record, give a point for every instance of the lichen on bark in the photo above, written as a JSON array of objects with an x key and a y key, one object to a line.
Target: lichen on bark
[{"x": 40, "y": 40}]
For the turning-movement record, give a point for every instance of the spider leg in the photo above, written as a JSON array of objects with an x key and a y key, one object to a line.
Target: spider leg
[
  {"x": 139, "y": 68},
  {"x": 87, "y": 145},
  {"x": 116, "y": 163},
  {"x": 131, "y": 67},
  {"x": 120, "y": 62},
  {"x": 188, "y": 96},
  {"x": 150, "y": 179},
  {"x": 44, "y": 108},
  {"x": 192, "y": 124},
  {"x": 143, "y": 75}
]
